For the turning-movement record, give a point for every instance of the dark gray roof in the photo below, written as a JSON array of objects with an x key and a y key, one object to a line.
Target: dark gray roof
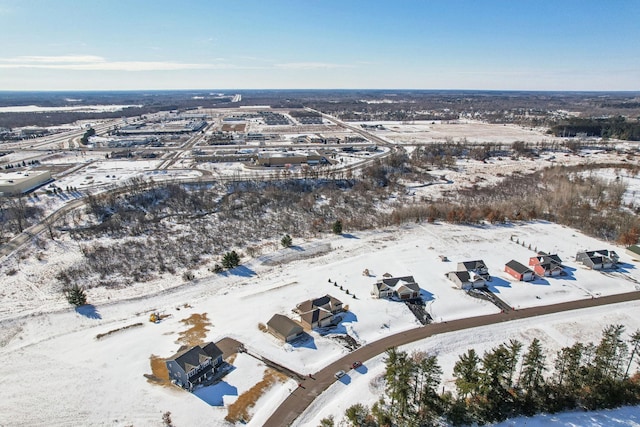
[
  {"x": 472, "y": 265},
  {"x": 393, "y": 281},
  {"x": 517, "y": 267},
  {"x": 318, "y": 302},
  {"x": 194, "y": 356},
  {"x": 212, "y": 350},
  {"x": 464, "y": 276},
  {"x": 316, "y": 315}
]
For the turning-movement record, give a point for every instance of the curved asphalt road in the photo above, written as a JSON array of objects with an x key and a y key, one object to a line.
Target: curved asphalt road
[{"x": 311, "y": 388}]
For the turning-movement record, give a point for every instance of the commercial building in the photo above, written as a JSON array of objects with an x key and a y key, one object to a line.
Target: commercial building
[{"x": 14, "y": 183}]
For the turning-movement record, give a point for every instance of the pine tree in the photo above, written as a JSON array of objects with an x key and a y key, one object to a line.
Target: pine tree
[
  {"x": 466, "y": 371},
  {"x": 429, "y": 374},
  {"x": 230, "y": 260},
  {"x": 337, "y": 227},
  {"x": 286, "y": 241},
  {"x": 533, "y": 365},
  {"x": 76, "y": 295},
  {"x": 514, "y": 347},
  {"x": 609, "y": 354},
  {"x": 634, "y": 344}
]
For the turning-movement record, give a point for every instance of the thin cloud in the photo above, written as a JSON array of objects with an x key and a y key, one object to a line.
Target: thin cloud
[
  {"x": 310, "y": 65},
  {"x": 98, "y": 63},
  {"x": 53, "y": 59}
]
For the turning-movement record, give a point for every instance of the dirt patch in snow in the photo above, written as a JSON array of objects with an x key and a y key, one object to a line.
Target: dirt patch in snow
[
  {"x": 197, "y": 333},
  {"x": 239, "y": 410},
  {"x": 159, "y": 373}
]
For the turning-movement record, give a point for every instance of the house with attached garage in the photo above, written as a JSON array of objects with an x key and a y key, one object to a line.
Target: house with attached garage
[
  {"x": 598, "y": 260},
  {"x": 519, "y": 271},
  {"x": 477, "y": 267},
  {"x": 284, "y": 328},
  {"x": 191, "y": 366},
  {"x": 402, "y": 288},
  {"x": 465, "y": 280},
  {"x": 319, "y": 312},
  {"x": 546, "y": 265}
]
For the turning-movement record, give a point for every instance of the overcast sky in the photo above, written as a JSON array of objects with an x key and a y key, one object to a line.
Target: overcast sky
[{"x": 323, "y": 44}]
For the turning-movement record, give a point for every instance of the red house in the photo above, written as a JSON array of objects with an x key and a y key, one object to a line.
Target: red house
[
  {"x": 519, "y": 271},
  {"x": 546, "y": 265}
]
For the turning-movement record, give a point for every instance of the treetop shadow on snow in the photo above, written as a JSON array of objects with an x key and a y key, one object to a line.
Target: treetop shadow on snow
[
  {"x": 242, "y": 271},
  {"x": 89, "y": 311},
  {"x": 349, "y": 236}
]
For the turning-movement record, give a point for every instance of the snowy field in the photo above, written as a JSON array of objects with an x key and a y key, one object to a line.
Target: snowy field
[
  {"x": 471, "y": 131},
  {"x": 100, "y": 381}
]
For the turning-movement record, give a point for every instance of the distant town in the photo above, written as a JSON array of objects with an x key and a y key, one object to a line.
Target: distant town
[{"x": 284, "y": 257}]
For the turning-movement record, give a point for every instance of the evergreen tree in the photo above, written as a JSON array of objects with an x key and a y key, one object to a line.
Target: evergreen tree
[
  {"x": 634, "y": 344},
  {"x": 609, "y": 355},
  {"x": 514, "y": 347},
  {"x": 359, "y": 415},
  {"x": 337, "y": 227},
  {"x": 429, "y": 373},
  {"x": 230, "y": 260},
  {"x": 498, "y": 403},
  {"x": 327, "y": 422},
  {"x": 531, "y": 379},
  {"x": 76, "y": 295},
  {"x": 286, "y": 241},
  {"x": 466, "y": 372}
]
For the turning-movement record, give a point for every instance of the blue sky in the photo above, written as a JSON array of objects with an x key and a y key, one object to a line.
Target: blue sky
[{"x": 342, "y": 44}]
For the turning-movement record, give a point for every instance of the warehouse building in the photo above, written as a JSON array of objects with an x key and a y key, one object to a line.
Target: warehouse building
[{"x": 14, "y": 183}]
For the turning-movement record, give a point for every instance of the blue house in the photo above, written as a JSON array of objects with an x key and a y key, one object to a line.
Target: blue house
[{"x": 193, "y": 365}]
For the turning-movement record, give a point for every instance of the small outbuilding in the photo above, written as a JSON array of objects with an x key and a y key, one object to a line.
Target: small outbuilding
[
  {"x": 519, "y": 271},
  {"x": 284, "y": 328}
]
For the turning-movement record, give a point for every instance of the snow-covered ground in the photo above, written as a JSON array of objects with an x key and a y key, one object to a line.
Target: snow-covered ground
[
  {"x": 554, "y": 331},
  {"x": 100, "y": 381}
]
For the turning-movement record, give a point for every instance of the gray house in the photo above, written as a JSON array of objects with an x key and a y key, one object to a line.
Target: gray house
[
  {"x": 598, "y": 260},
  {"x": 466, "y": 280},
  {"x": 284, "y": 328},
  {"x": 402, "y": 288},
  {"x": 478, "y": 267},
  {"x": 193, "y": 365}
]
